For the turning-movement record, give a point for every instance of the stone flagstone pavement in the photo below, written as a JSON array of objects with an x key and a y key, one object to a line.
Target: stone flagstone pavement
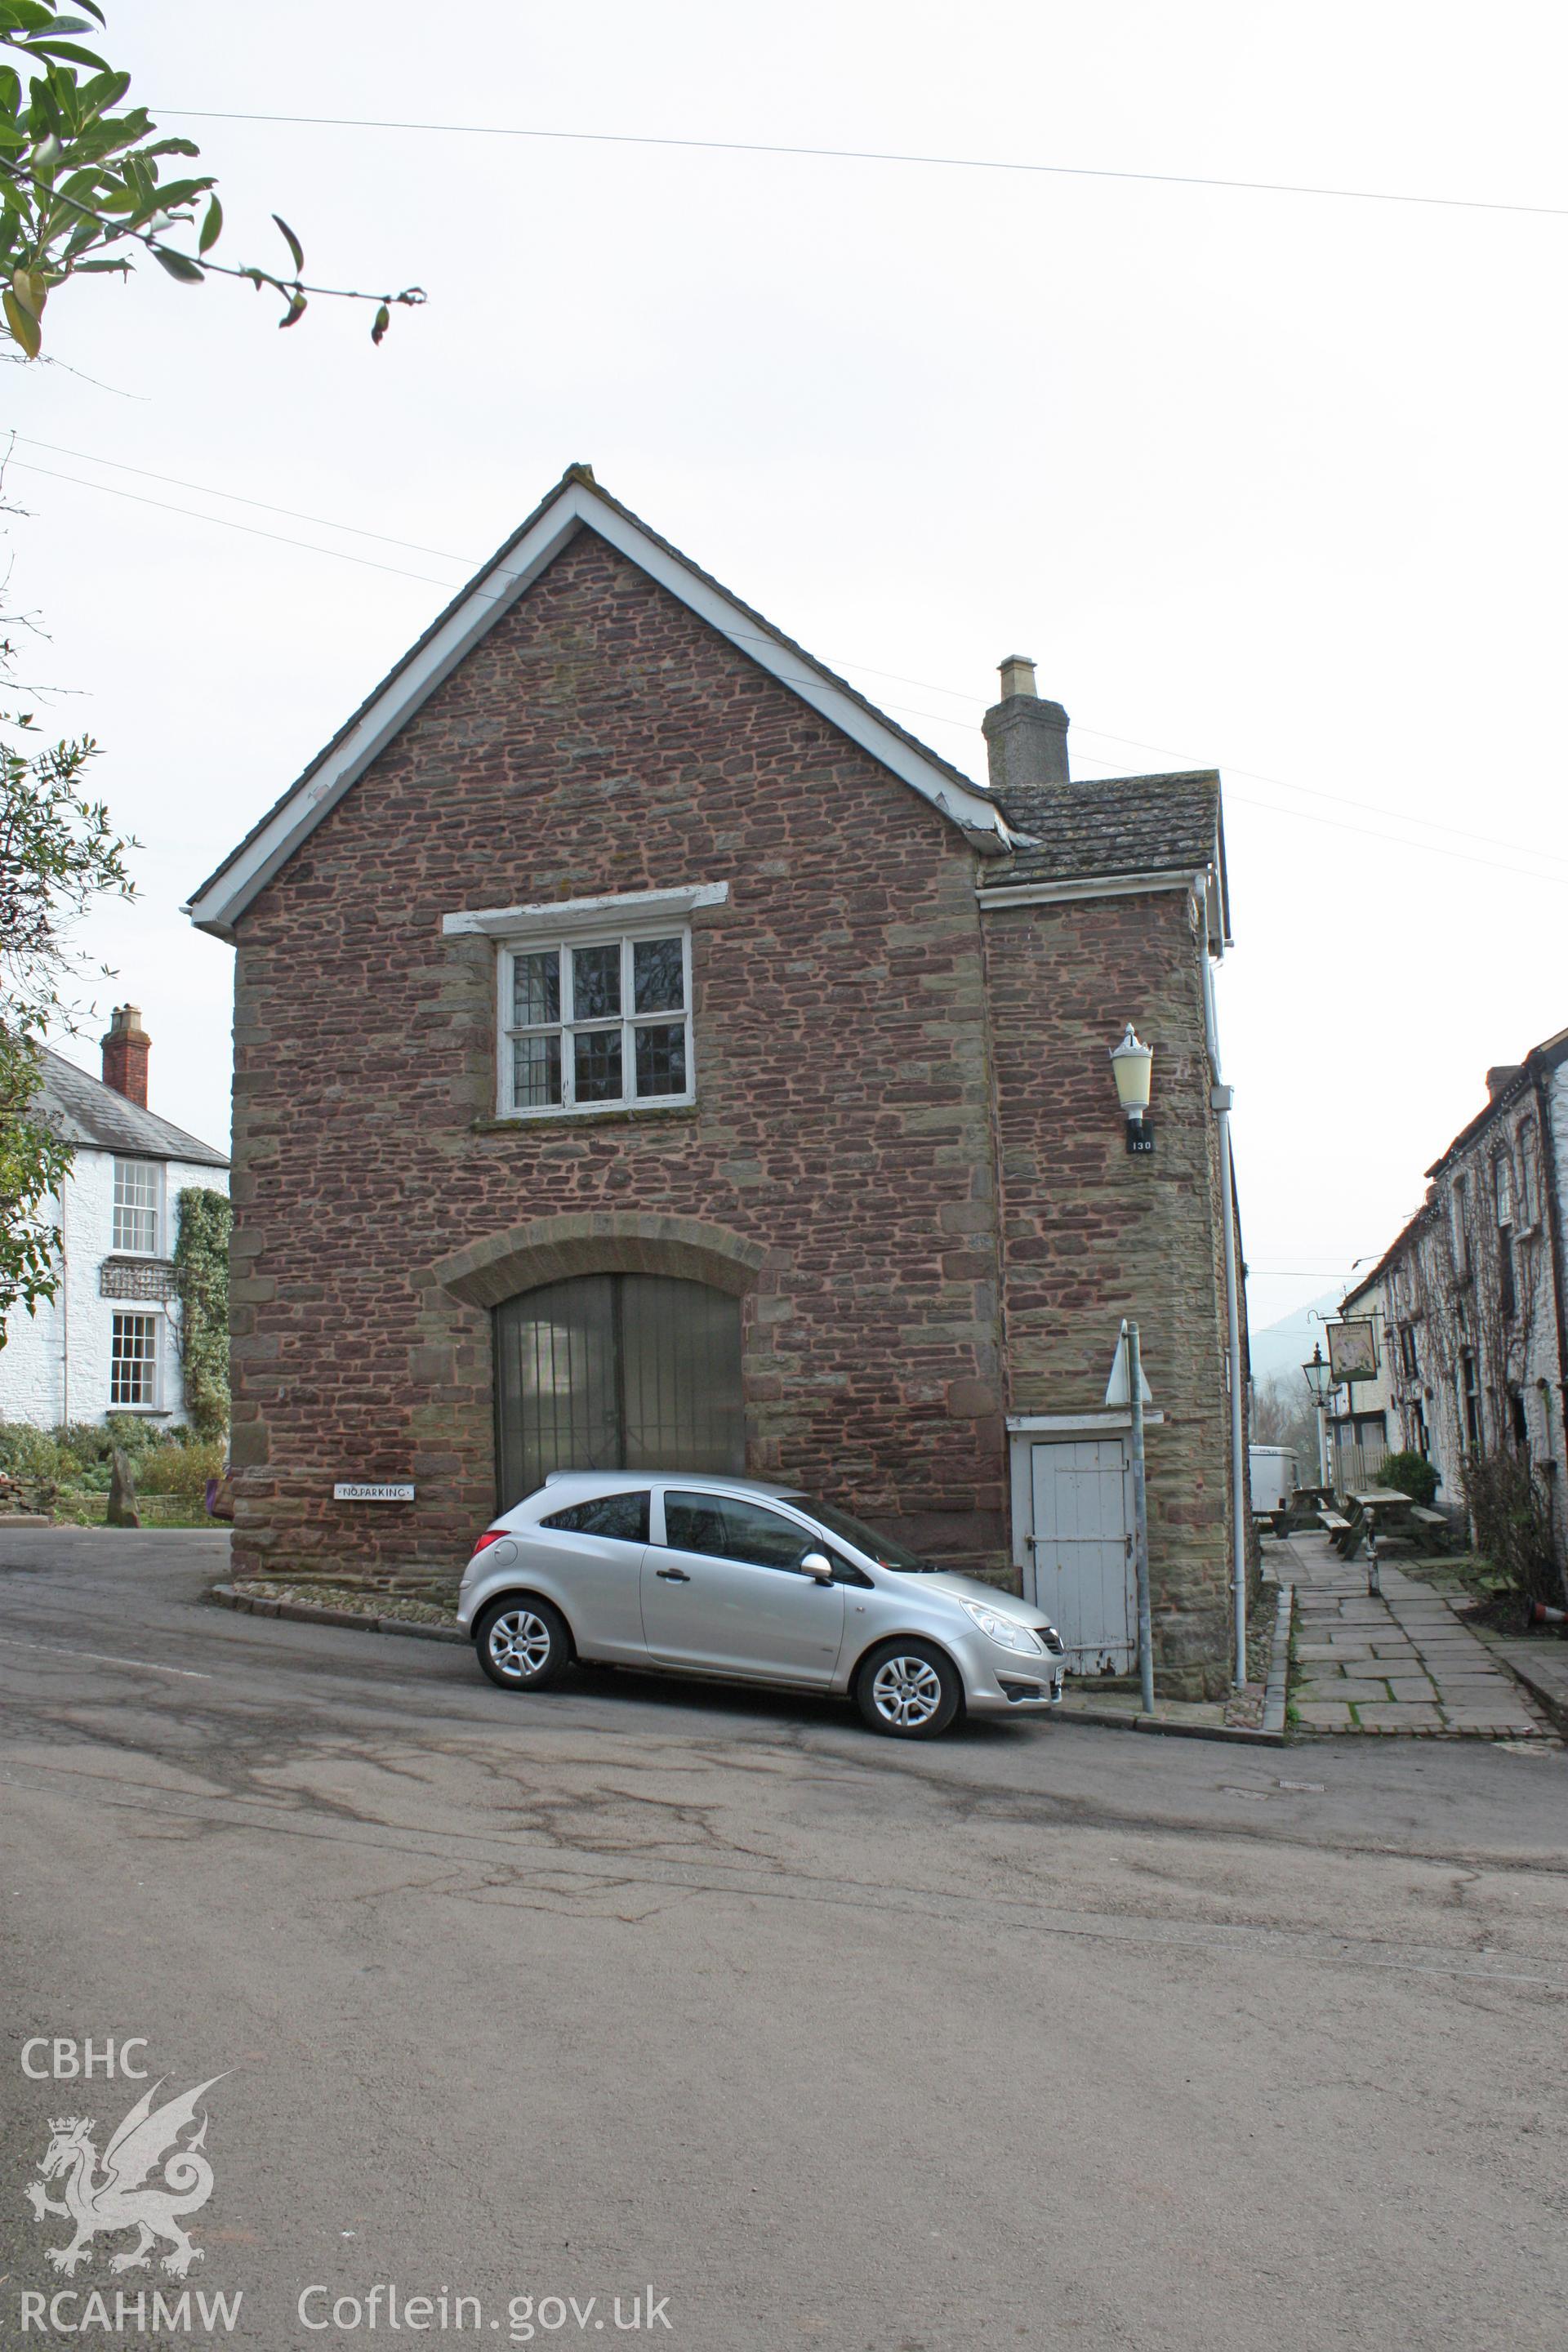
[{"x": 1405, "y": 1663}]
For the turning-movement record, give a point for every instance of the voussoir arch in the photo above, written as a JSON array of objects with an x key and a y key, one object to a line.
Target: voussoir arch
[{"x": 552, "y": 1249}]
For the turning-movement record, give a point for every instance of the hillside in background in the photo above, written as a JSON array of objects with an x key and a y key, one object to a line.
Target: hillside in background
[{"x": 1287, "y": 1345}]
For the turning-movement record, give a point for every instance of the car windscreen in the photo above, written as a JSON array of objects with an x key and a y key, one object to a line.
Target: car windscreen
[{"x": 886, "y": 1550}]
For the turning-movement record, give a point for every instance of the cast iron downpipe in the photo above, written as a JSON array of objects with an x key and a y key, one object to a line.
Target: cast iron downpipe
[{"x": 1220, "y": 1096}]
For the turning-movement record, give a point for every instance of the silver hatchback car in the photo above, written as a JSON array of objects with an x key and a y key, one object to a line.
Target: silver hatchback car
[{"x": 750, "y": 1582}]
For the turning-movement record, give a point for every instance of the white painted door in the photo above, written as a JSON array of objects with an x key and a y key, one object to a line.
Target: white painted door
[{"x": 1081, "y": 1546}]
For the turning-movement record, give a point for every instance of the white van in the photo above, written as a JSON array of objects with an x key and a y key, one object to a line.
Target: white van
[{"x": 1272, "y": 1475}]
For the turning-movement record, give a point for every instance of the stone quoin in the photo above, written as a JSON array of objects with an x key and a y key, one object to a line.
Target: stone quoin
[{"x": 843, "y": 1196}]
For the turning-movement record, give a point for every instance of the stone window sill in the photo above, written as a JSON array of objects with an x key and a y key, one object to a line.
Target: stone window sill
[{"x": 552, "y": 1123}]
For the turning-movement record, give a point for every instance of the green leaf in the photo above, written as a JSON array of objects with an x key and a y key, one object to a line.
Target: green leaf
[
  {"x": 173, "y": 193},
  {"x": 383, "y": 320},
  {"x": 293, "y": 244},
  {"x": 68, "y": 50},
  {"x": 82, "y": 267},
  {"x": 179, "y": 265},
  {"x": 24, "y": 329},
  {"x": 295, "y": 313},
  {"x": 30, "y": 291},
  {"x": 212, "y": 227},
  {"x": 81, "y": 188},
  {"x": 104, "y": 91}
]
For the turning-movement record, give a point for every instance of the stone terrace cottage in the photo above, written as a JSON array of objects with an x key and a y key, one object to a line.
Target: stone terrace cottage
[{"x": 648, "y": 1054}]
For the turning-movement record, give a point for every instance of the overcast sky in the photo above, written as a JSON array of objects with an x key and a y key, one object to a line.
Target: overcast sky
[{"x": 1270, "y": 481}]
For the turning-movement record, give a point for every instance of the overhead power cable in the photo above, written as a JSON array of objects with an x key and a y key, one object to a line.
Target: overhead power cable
[
  {"x": 1532, "y": 871},
  {"x": 926, "y": 686},
  {"x": 226, "y": 523},
  {"x": 873, "y": 155}
]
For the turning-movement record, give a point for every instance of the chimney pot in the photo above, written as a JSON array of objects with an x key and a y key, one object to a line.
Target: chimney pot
[
  {"x": 125, "y": 1052},
  {"x": 1026, "y": 739}
]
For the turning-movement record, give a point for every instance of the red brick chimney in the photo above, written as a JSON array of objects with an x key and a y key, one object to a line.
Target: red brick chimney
[{"x": 125, "y": 1052}]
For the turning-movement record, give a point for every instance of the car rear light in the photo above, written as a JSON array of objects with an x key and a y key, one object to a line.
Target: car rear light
[{"x": 490, "y": 1535}]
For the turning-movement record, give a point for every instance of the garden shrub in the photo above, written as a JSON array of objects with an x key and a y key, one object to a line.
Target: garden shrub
[
  {"x": 1408, "y": 1474},
  {"x": 180, "y": 1469},
  {"x": 1510, "y": 1510},
  {"x": 79, "y": 1458}
]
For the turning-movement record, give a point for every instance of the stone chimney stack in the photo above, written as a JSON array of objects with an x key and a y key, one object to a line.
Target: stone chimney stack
[
  {"x": 1502, "y": 1075},
  {"x": 1026, "y": 739},
  {"x": 125, "y": 1052}
]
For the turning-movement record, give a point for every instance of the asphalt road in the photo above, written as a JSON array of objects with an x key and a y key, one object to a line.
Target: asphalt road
[{"x": 1042, "y": 2034}]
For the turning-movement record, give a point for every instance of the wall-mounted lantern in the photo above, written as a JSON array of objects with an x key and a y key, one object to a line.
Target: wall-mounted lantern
[{"x": 1130, "y": 1065}]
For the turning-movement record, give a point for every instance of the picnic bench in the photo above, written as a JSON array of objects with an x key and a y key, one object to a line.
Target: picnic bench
[
  {"x": 1306, "y": 1507},
  {"x": 1385, "y": 1511},
  {"x": 1432, "y": 1524}
]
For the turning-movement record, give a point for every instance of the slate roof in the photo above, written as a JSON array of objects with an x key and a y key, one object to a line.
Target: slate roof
[
  {"x": 1114, "y": 826},
  {"x": 85, "y": 1111},
  {"x": 1547, "y": 1055}
]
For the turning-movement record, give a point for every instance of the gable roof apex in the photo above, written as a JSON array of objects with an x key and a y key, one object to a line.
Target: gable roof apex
[{"x": 577, "y": 502}]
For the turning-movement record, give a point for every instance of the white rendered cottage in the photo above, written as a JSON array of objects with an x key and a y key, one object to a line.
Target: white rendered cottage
[{"x": 106, "y": 1343}]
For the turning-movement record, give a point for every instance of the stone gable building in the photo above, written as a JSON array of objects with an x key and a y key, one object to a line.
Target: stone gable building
[{"x": 648, "y": 1053}]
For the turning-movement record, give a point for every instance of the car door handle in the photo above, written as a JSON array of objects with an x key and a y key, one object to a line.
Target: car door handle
[{"x": 673, "y": 1575}]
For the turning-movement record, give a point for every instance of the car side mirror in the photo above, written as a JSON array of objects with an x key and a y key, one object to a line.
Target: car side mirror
[{"x": 817, "y": 1566}]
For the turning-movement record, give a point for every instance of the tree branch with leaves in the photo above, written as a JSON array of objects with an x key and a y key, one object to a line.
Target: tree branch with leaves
[
  {"x": 80, "y": 182},
  {"x": 59, "y": 854}
]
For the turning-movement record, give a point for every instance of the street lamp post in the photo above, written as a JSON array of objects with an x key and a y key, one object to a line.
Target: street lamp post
[{"x": 1319, "y": 1376}]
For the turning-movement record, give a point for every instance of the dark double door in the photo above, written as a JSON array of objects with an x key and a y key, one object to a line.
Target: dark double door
[{"x": 616, "y": 1371}]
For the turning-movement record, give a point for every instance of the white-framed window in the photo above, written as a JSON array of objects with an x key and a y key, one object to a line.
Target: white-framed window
[
  {"x": 596, "y": 1023},
  {"x": 138, "y": 1207},
  {"x": 134, "y": 1361}
]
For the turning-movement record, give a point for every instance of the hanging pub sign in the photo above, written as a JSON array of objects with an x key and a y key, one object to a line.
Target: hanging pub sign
[{"x": 1353, "y": 1350}]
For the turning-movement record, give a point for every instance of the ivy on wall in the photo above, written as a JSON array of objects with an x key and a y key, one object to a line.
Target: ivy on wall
[{"x": 201, "y": 1278}]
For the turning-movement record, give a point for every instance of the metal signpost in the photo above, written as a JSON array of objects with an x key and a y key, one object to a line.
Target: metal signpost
[{"x": 1141, "y": 1521}]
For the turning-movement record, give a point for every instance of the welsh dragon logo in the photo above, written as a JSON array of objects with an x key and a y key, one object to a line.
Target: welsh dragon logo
[{"x": 121, "y": 2196}]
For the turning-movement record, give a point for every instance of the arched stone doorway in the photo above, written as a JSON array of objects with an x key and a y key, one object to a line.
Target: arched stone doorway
[
  {"x": 616, "y": 1371},
  {"x": 612, "y": 1330}
]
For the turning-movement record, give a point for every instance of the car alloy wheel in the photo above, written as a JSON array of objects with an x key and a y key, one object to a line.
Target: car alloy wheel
[
  {"x": 909, "y": 1691},
  {"x": 522, "y": 1644}
]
